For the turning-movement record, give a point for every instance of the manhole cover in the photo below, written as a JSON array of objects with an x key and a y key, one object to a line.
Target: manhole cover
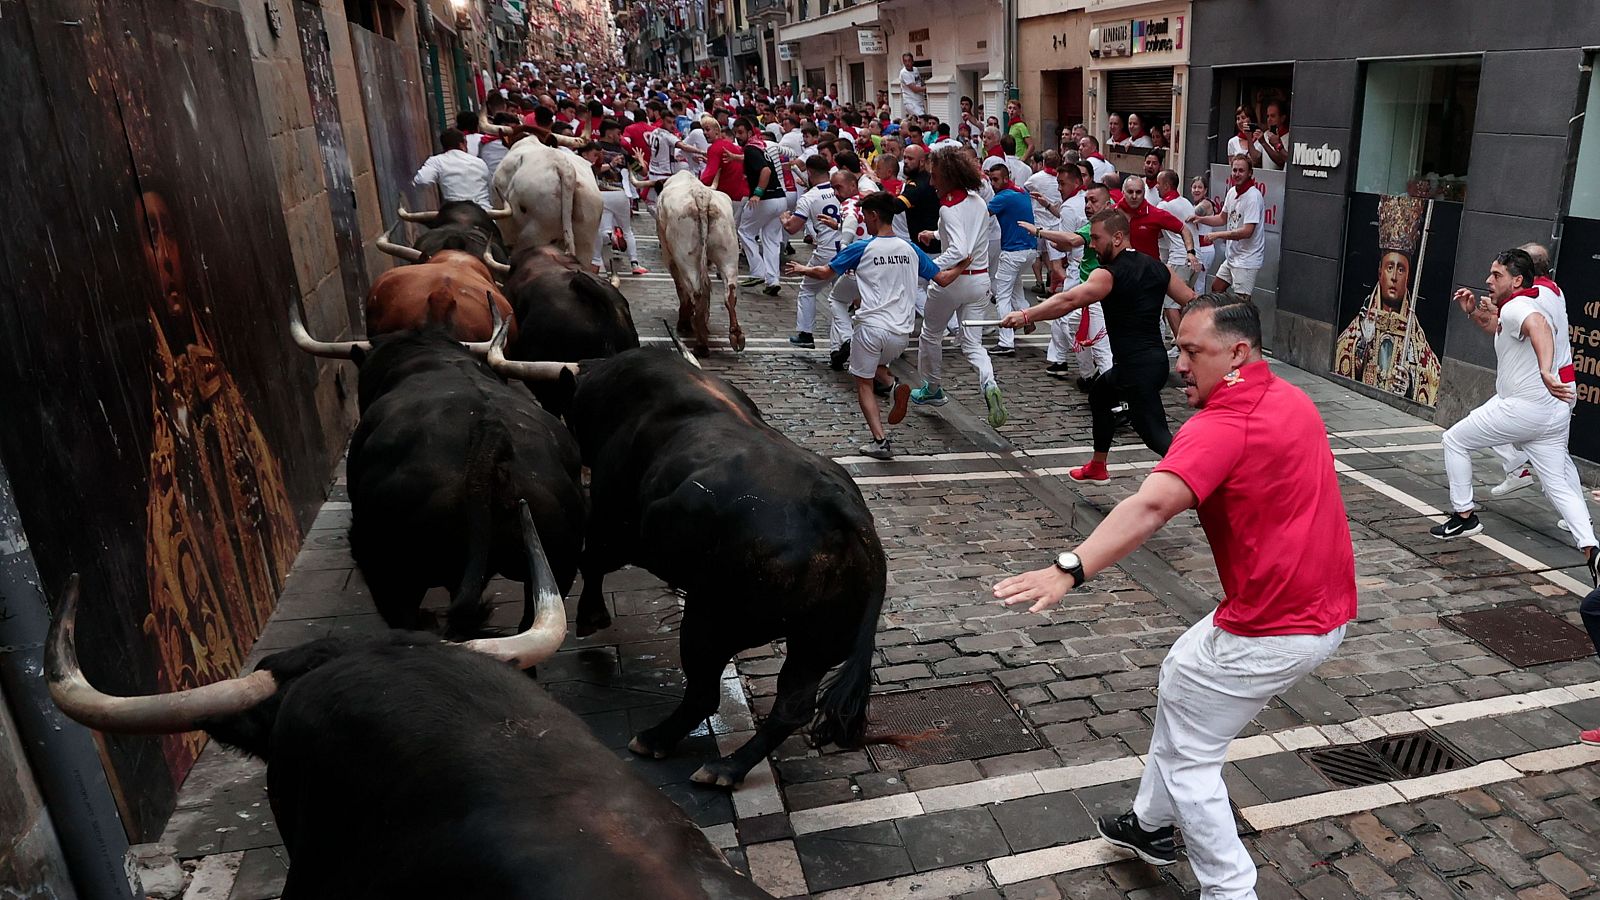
[
  {"x": 1384, "y": 760},
  {"x": 961, "y": 721},
  {"x": 1523, "y": 635}
]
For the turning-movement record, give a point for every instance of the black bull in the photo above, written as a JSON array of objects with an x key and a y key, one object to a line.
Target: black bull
[
  {"x": 766, "y": 539},
  {"x": 564, "y": 314},
  {"x": 456, "y": 225},
  {"x": 403, "y": 768},
  {"x": 444, "y": 452}
]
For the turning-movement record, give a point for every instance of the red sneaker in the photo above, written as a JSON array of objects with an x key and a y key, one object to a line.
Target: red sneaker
[
  {"x": 1592, "y": 736},
  {"x": 1091, "y": 471}
]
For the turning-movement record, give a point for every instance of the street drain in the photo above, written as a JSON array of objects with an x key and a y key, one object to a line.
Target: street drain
[
  {"x": 1386, "y": 759},
  {"x": 1523, "y": 635},
  {"x": 945, "y": 724}
]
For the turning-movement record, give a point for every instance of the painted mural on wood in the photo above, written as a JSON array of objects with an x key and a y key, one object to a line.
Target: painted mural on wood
[{"x": 161, "y": 430}]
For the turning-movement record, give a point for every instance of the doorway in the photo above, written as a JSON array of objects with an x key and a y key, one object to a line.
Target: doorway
[
  {"x": 858, "y": 82},
  {"x": 1060, "y": 104}
]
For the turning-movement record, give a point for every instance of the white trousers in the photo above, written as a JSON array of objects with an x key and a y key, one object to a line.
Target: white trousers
[
  {"x": 1212, "y": 685},
  {"x": 1061, "y": 330},
  {"x": 968, "y": 295},
  {"x": 805, "y": 304},
  {"x": 1093, "y": 352},
  {"x": 761, "y": 235},
  {"x": 1008, "y": 291},
  {"x": 615, "y": 212},
  {"x": 1540, "y": 431},
  {"x": 840, "y": 326},
  {"x": 994, "y": 265}
]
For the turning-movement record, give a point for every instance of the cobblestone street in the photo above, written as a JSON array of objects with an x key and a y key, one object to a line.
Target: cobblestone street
[{"x": 960, "y": 507}]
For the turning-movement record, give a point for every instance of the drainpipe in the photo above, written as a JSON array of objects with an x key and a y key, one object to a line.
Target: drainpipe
[
  {"x": 1008, "y": 43},
  {"x": 66, "y": 764}
]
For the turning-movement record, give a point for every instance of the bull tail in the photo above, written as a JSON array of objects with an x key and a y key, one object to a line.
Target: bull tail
[
  {"x": 468, "y": 611},
  {"x": 842, "y": 713},
  {"x": 568, "y": 187}
]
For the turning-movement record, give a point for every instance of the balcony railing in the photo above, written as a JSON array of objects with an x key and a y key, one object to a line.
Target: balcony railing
[{"x": 762, "y": 9}]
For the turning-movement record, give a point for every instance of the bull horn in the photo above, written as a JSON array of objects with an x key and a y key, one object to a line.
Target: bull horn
[
  {"x": 161, "y": 714},
  {"x": 503, "y": 212},
  {"x": 411, "y": 254},
  {"x": 486, "y": 127},
  {"x": 516, "y": 368},
  {"x": 678, "y": 345},
  {"x": 543, "y": 638},
  {"x": 329, "y": 349},
  {"x": 423, "y": 217},
  {"x": 495, "y": 266}
]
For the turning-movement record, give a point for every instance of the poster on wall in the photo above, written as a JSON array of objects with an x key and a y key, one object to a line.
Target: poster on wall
[
  {"x": 1578, "y": 273},
  {"x": 1399, "y": 257}
]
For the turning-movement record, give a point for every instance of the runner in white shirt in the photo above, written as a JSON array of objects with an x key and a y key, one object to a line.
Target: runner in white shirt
[
  {"x": 886, "y": 270},
  {"x": 1243, "y": 230},
  {"x": 458, "y": 174},
  {"x": 964, "y": 222},
  {"x": 817, "y": 212},
  {"x": 1044, "y": 187},
  {"x": 1534, "y": 393},
  {"x": 1173, "y": 250}
]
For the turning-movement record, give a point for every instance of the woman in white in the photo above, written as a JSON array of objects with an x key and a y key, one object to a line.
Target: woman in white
[{"x": 1200, "y": 195}]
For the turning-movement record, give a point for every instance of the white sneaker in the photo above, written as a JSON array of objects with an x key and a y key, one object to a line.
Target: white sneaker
[{"x": 1517, "y": 480}]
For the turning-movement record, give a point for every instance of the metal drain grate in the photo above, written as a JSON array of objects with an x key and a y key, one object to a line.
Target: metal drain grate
[
  {"x": 1386, "y": 759},
  {"x": 1418, "y": 754},
  {"x": 1523, "y": 635},
  {"x": 1352, "y": 765},
  {"x": 962, "y": 721}
]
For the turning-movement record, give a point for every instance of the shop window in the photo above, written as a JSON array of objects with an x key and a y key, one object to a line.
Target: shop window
[
  {"x": 1146, "y": 93},
  {"x": 1586, "y": 181},
  {"x": 1417, "y": 122}
]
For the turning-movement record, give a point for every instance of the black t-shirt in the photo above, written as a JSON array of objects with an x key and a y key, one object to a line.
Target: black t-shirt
[
  {"x": 923, "y": 214},
  {"x": 1133, "y": 308},
  {"x": 755, "y": 160}
]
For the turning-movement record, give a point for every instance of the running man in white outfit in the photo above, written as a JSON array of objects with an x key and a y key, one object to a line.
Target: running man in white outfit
[
  {"x": 885, "y": 313},
  {"x": 1082, "y": 331},
  {"x": 818, "y": 212},
  {"x": 964, "y": 234},
  {"x": 1534, "y": 393}
]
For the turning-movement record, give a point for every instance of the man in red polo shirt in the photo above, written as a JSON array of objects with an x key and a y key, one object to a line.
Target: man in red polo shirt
[
  {"x": 1146, "y": 221},
  {"x": 1282, "y": 612}
]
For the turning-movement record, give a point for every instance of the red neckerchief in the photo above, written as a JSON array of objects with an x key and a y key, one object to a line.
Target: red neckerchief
[
  {"x": 1010, "y": 187},
  {"x": 1169, "y": 196},
  {"x": 1245, "y": 138},
  {"x": 1075, "y": 192},
  {"x": 1141, "y": 212},
  {"x": 1049, "y": 171},
  {"x": 1096, "y": 155},
  {"x": 1150, "y": 185},
  {"x": 1244, "y": 185},
  {"x": 1525, "y": 292},
  {"x": 1116, "y": 197},
  {"x": 952, "y": 198},
  {"x": 1542, "y": 281}
]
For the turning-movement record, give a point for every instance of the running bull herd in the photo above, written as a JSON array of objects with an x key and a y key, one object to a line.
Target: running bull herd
[{"x": 408, "y": 765}]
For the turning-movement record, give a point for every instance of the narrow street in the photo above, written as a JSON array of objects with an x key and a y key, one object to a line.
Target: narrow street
[{"x": 1043, "y": 717}]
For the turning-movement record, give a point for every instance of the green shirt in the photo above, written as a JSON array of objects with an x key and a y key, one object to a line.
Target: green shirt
[
  {"x": 1091, "y": 259},
  {"x": 1019, "y": 132}
]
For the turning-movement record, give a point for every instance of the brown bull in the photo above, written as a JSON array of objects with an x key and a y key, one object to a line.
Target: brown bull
[{"x": 448, "y": 289}]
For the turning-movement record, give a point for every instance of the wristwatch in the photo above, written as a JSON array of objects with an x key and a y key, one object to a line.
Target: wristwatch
[{"x": 1069, "y": 563}]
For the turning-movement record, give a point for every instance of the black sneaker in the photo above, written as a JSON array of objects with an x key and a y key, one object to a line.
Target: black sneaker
[
  {"x": 1457, "y": 526},
  {"x": 881, "y": 389},
  {"x": 1592, "y": 561},
  {"x": 1158, "y": 848},
  {"x": 878, "y": 449},
  {"x": 770, "y": 290},
  {"x": 839, "y": 357},
  {"x": 803, "y": 339},
  {"x": 1085, "y": 383},
  {"x": 1058, "y": 370},
  {"x": 1003, "y": 351}
]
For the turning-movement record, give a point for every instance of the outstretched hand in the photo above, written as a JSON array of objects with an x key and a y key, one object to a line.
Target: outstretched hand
[{"x": 1043, "y": 588}]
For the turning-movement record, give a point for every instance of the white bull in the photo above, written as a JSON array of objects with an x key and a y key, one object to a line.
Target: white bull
[
  {"x": 552, "y": 198},
  {"x": 696, "y": 228}
]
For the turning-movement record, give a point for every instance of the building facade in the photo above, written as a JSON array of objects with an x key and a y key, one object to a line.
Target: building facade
[{"x": 1415, "y": 152}]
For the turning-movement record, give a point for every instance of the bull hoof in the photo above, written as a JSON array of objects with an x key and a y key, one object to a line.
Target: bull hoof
[
  {"x": 701, "y": 348},
  {"x": 638, "y": 746},
  {"x": 616, "y": 280},
  {"x": 736, "y": 340},
  {"x": 718, "y": 773},
  {"x": 685, "y": 328}
]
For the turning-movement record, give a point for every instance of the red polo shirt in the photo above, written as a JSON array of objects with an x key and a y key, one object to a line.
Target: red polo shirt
[
  {"x": 732, "y": 180},
  {"x": 1146, "y": 225},
  {"x": 1257, "y": 459}
]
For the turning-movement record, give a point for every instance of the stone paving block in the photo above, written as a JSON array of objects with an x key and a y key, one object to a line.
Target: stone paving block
[
  {"x": 951, "y": 838},
  {"x": 1377, "y": 839},
  {"x": 1453, "y": 821},
  {"x": 1366, "y": 876},
  {"x": 1042, "y": 821},
  {"x": 1521, "y": 802},
  {"x": 1564, "y": 873},
  {"x": 1481, "y": 886},
  {"x": 1543, "y": 728},
  {"x": 775, "y": 867},
  {"x": 1295, "y": 860},
  {"x": 1326, "y": 887},
  {"x": 1542, "y": 892},
  {"x": 1442, "y": 853},
  {"x": 1108, "y": 799},
  {"x": 1523, "y": 839},
  {"x": 847, "y": 856},
  {"x": 1477, "y": 803},
  {"x": 1241, "y": 791},
  {"x": 262, "y": 874},
  {"x": 1282, "y": 776},
  {"x": 1506, "y": 863},
  {"x": 958, "y": 772}
]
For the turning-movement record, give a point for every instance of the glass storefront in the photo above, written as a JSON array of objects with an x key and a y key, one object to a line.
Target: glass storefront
[{"x": 1417, "y": 119}]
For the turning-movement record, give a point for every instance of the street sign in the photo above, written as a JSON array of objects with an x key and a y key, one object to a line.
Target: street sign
[{"x": 871, "y": 43}]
